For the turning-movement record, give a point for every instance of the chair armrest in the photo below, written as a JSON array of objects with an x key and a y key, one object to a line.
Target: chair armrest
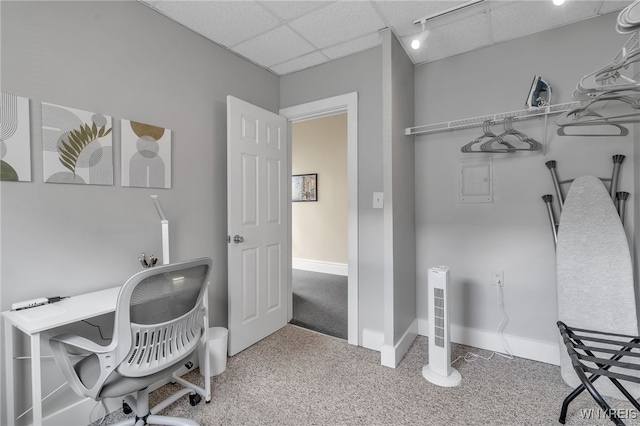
[
  {"x": 81, "y": 343},
  {"x": 60, "y": 346}
]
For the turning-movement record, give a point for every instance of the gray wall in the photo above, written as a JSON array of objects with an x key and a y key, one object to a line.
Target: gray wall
[
  {"x": 513, "y": 232},
  {"x": 399, "y": 178},
  {"x": 320, "y": 146},
  {"x": 356, "y": 73},
  {"x": 125, "y": 60}
]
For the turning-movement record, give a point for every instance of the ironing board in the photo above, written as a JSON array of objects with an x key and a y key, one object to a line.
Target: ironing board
[{"x": 594, "y": 273}]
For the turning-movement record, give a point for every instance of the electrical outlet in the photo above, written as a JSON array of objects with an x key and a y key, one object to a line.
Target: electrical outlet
[{"x": 497, "y": 277}]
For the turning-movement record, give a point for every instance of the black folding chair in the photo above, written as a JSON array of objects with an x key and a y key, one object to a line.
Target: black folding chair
[{"x": 582, "y": 345}]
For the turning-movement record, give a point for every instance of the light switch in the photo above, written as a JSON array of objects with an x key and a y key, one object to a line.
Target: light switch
[{"x": 378, "y": 200}]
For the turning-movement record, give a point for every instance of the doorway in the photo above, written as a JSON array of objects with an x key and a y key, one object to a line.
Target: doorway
[
  {"x": 319, "y": 224},
  {"x": 344, "y": 103}
]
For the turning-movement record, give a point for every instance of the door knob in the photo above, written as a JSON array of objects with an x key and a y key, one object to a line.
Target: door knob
[{"x": 238, "y": 239}]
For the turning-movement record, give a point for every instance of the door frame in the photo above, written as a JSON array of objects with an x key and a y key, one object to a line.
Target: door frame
[{"x": 334, "y": 105}]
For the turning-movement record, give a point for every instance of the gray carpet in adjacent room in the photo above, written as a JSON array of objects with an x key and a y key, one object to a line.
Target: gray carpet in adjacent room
[
  {"x": 299, "y": 377},
  {"x": 320, "y": 302}
]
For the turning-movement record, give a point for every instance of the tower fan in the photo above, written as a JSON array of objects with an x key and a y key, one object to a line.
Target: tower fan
[{"x": 439, "y": 371}]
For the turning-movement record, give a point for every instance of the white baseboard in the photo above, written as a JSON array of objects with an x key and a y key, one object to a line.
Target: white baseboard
[
  {"x": 324, "y": 267},
  {"x": 372, "y": 339},
  {"x": 518, "y": 346},
  {"x": 390, "y": 356}
]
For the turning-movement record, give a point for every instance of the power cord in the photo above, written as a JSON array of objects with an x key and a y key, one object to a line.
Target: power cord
[
  {"x": 505, "y": 318},
  {"x": 471, "y": 357},
  {"x": 104, "y": 415},
  {"x": 99, "y": 330}
]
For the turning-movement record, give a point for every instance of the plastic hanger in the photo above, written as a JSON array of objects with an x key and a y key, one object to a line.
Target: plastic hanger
[
  {"x": 533, "y": 145},
  {"x": 621, "y": 130},
  {"x": 629, "y": 18},
  {"x": 486, "y": 128},
  {"x": 604, "y": 79},
  {"x": 585, "y": 115},
  {"x": 591, "y": 118},
  {"x": 614, "y": 93},
  {"x": 613, "y": 84}
]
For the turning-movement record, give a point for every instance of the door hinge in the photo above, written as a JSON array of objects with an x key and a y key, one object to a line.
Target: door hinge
[{"x": 229, "y": 239}]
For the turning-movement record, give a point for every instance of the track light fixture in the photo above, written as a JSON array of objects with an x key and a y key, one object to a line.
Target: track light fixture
[
  {"x": 417, "y": 41},
  {"x": 447, "y": 11}
]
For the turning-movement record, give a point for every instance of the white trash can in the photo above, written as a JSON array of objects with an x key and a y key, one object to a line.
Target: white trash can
[{"x": 217, "y": 350}]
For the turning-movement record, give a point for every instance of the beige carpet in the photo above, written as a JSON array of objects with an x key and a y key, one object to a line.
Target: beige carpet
[{"x": 299, "y": 377}]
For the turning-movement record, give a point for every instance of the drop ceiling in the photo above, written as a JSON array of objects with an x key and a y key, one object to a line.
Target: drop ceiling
[{"x": 288, "y": 36}]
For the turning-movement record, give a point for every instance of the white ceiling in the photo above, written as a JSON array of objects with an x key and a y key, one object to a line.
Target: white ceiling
[{"x": 287, "y": 36}]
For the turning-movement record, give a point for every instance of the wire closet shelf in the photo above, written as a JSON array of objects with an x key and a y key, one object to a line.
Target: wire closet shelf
[
  {"x": 631, "y": 46},
  {"x": 467, "y": 123}
]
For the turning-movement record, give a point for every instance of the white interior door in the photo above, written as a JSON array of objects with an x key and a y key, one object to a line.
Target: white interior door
[{"x": 257, "y": 200}]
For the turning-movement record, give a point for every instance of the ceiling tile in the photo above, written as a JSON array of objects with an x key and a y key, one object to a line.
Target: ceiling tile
[
  {"x": 353, "y": 46},
  {"x": 448, "y": 40},
  {"x": 283, "y": 35},
  {"x": 338, "y": 22},
  {"x": 274, "y": 47},
  {"x": 225, "y": 22},
  {"x": 288, "y": 10},
  {"x": 306, "y": 61},
  {"x": 522, "y": 18},
  {"x": 613, "y": 6}
]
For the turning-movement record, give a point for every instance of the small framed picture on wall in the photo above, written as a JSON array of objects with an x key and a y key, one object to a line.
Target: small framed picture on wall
[{"x": 304, "y": 187}]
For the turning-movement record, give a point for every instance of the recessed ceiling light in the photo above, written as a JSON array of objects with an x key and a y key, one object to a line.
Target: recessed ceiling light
[{"x": 558, "y": 2}]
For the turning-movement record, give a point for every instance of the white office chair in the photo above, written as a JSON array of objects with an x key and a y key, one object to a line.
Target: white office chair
[{"x": 159, "y": 321}]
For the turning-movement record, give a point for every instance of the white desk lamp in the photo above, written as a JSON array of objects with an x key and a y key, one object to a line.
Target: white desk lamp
[{"x": 165, "y": 230}]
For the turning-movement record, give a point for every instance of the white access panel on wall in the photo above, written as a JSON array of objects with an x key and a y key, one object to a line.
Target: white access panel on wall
[{"x": 476, "y": 180}]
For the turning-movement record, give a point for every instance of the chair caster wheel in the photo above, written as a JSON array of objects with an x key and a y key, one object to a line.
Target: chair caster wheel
[
  {"x": 194, "y": 399},
  {"x": 126, "y": 409}
]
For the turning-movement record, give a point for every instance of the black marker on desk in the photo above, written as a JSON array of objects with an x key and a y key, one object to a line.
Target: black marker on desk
[{"x": 56, "y": 298}]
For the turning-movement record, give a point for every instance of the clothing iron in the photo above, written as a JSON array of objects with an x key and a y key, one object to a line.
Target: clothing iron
[{"x": 539, "y": 94}]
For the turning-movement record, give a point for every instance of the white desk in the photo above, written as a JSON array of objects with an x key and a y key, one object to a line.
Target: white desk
[{"x": 67, "y": 311}]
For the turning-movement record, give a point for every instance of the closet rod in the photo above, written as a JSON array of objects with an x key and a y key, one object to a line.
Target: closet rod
[{"x": 523, "y": 114}]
